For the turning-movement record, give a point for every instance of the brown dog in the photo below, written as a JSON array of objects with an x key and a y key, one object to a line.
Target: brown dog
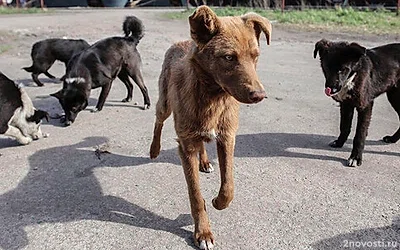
[{"x": 202, "y": 83}]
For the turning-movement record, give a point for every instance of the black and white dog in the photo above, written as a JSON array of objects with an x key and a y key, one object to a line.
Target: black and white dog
[
  {"x": 44, "y": 53},
  {"x": 98, "y": 66},
  {"x": 355, "y": 76},
  {"x": 18, "y": 117}
]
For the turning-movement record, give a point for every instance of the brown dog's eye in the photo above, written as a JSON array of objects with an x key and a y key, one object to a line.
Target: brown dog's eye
[{"x": 229, "y": 58}]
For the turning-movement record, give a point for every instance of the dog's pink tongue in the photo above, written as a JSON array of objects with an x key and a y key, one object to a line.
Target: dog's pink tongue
[{"x": 328, "y": 91}]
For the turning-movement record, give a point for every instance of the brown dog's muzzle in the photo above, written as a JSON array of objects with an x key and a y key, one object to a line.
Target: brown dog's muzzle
[
  {"x": 243, "y": 84},
  {"x": 257, "y": 96}
]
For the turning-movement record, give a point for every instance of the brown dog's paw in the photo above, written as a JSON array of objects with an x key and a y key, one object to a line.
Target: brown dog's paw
[
  {"x": 206, "y": 167},
  {"x": 204, "y": 240},
  {"x": 220, "y": 205},
  {"x": 154, "y": 150}
]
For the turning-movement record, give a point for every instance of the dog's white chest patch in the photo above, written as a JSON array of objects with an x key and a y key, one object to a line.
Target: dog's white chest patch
[
  {"x": 343, "y": 94},
  {"x": 75, "y": 79},
  {"x": 212, "y": 135}
]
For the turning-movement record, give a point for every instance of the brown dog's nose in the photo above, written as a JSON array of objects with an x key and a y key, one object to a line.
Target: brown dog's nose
[{"x": 257, "y": 96}]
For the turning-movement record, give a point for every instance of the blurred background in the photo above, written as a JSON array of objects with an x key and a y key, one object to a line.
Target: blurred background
[{"x": 289, "y": 4}]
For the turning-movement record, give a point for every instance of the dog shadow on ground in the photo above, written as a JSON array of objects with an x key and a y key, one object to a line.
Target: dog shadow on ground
[
  {"x": 131, "y": 104},
  {"x": 370, "y": 238},
  {"x": 61, "y": 187},
  {"x": 51, "y": 105},
  {"x": 28, "y": 82},
  {"x": 286, "y": 145}
]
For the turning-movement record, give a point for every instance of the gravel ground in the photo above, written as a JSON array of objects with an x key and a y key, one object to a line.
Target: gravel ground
[{"x": 292, "y": 190}]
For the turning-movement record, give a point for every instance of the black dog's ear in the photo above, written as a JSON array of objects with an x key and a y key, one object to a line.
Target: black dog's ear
[
  {"x": 58, "y": 95},
  {"x": 357, "y": 50},
  {"x": 38, "y": 116},
  {"x": 321, "y": 47},
  {"x": 42, "y": 114},
  {"x": 204, "y": 24},
  {"x": 85, "y": 104}
]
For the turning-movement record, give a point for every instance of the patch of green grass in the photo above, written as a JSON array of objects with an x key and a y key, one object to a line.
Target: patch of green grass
[
  {"x": 11, "y": 10},
  {"x": 344, "y": 19},
  {"x": 6, "y": 41},
  {"x": 4, "y": 48}
]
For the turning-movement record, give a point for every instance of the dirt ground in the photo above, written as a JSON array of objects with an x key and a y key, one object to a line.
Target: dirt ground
[{"x": 292, "y": 190}]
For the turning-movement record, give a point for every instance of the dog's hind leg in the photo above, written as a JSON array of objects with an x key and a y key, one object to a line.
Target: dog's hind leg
[
  {"x": 124, "y": 77},
  {"x": 346, "y": 117},
  {"x": 138, "y": 79},
  {"x": 394, "y": 99},
  {"x": 163, "y": 111},
  {"x": 188, "y": 151},
  {"x": 35, "y": 77},
  {"x": 17, "y": 134},
  {"x": 49, "y": 75},
  {"x": 205, "y": 164},
  {"x": 41, "y": 66}
]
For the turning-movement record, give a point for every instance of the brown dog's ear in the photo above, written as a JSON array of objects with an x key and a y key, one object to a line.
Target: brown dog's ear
[
  {"x": 259, "y": 23},
  {"x": 204, "y": 24},
  {"x": 58, "y": 95},
  {"x": 321, "y": 47}
]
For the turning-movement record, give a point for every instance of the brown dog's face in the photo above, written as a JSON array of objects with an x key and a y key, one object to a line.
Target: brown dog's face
[
  {"x": 228, "y": 49},
  {"x": 339, "y": 63}
]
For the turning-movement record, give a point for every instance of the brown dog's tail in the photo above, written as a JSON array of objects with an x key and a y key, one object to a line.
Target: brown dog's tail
[{"x": 133, "y": 28}]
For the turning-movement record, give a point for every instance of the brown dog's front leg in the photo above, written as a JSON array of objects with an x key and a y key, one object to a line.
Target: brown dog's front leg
[
  {"x": 188, "y": 151},
  {"x": 225, "y": 148}
]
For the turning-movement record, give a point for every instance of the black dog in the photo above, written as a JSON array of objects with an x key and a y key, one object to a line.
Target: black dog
[
  {"x": 44, "y": 53},
  {"x": 355, "y": 76},
  {"x": 18, "y": 117},
  {"x": 98, "y": 66}
]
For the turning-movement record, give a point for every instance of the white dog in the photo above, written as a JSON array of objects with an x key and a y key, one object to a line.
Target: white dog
[{"x": 18, "y": 118}]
